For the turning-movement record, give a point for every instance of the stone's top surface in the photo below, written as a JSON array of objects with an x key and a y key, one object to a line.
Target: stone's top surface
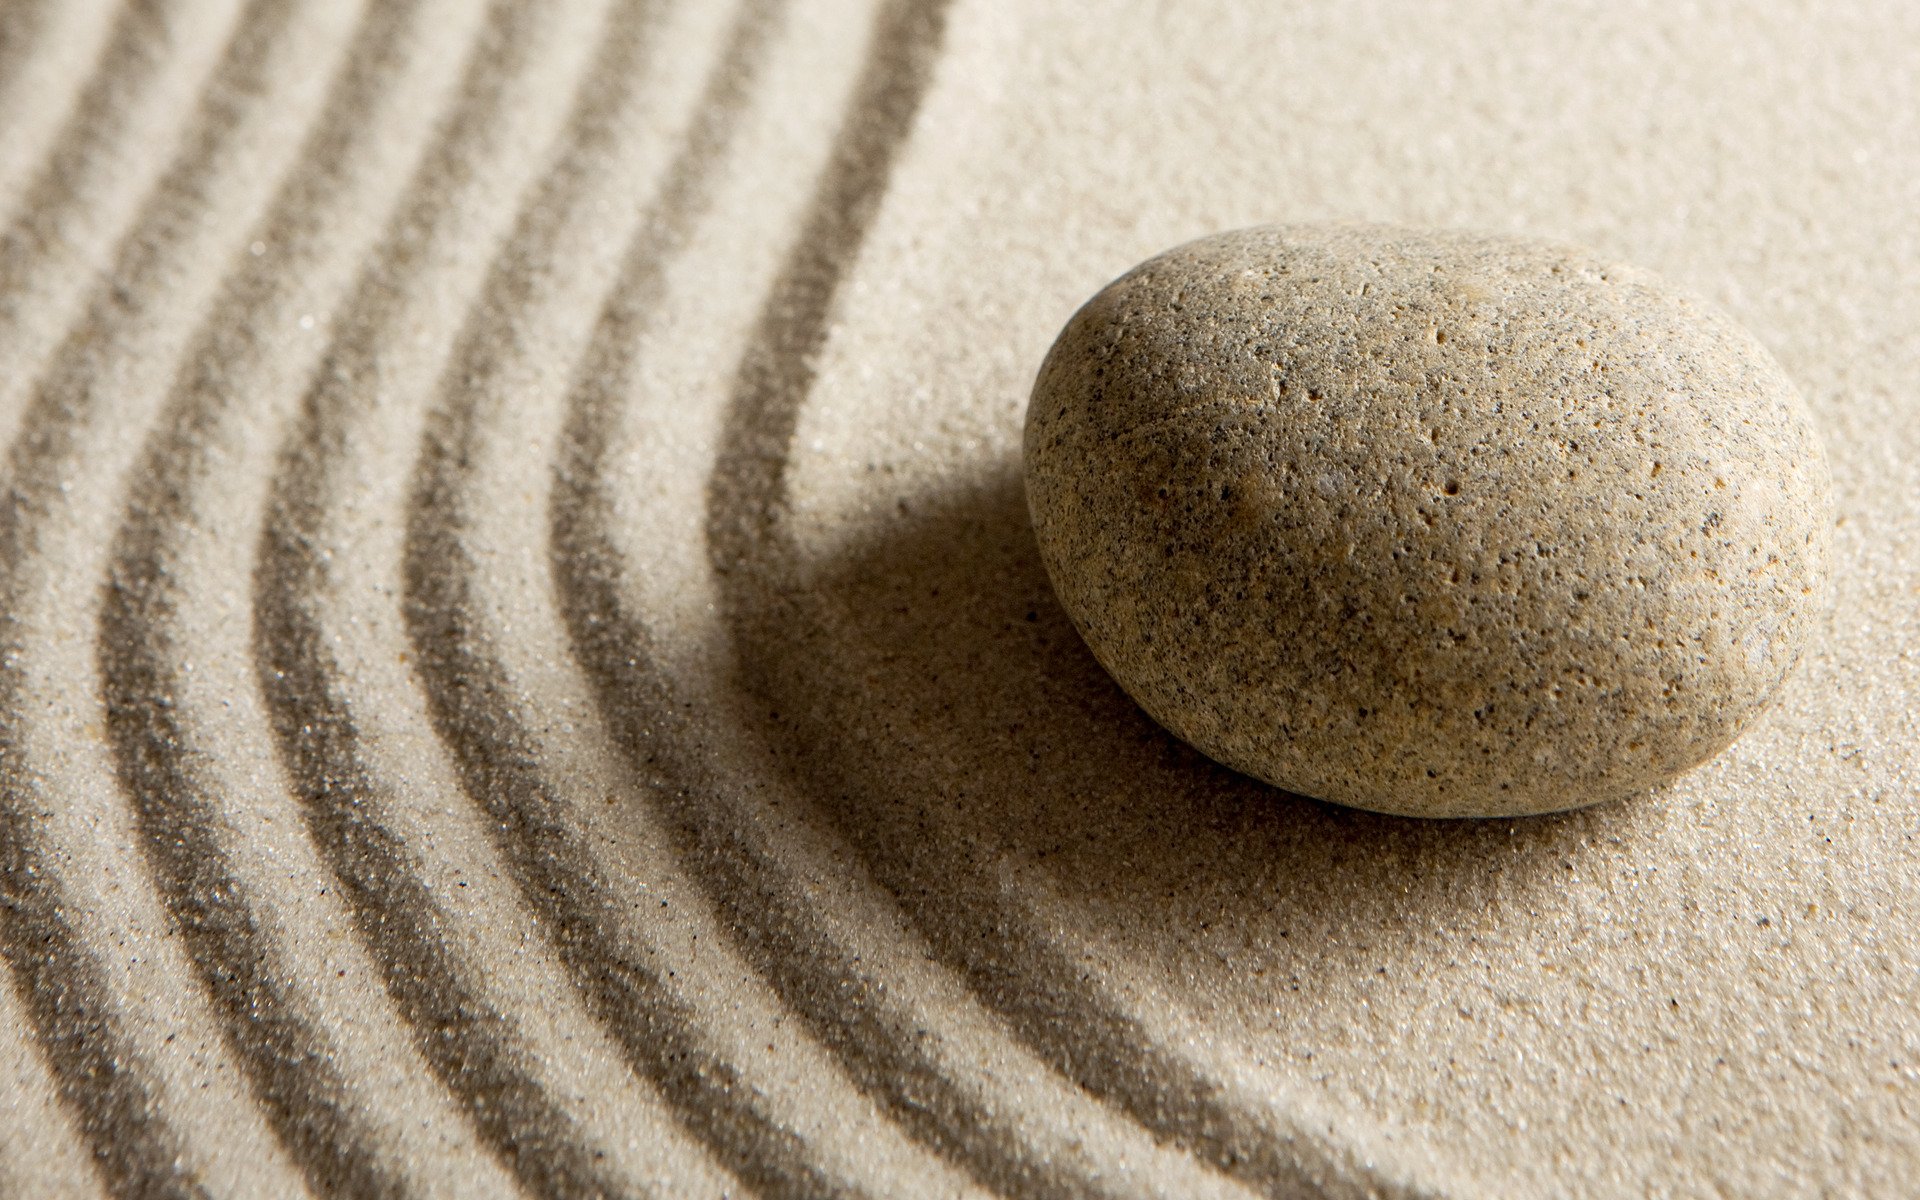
[{"x": 1428, "y": 522}]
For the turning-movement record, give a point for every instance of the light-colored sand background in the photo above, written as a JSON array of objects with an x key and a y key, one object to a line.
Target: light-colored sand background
[{"x": 523, "y": 668}]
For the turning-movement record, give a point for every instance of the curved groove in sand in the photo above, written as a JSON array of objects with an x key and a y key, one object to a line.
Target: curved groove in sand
[
  {"x": 102, "y": 1072},
  {"x": 911, "y": 1053},
  {"x": 473, "y": 694},
  {"x": 471, "y": 1046},
  {"x": 756, "y": 893},
  {"x": 99, "y": 174},
  {"x": 899, "y": 63},
  {"x": 147, "y": 648},
  {"x": 780, "y": 352},
  {"x": 108, "y": 1087}
]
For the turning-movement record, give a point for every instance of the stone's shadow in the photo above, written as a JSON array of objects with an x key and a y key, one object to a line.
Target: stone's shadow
[{"x": 942, "y": 710}]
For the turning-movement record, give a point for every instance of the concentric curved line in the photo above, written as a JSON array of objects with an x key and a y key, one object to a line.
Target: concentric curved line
[
  {"x": 115, "y": 143},
  {"x": 885, "y": 1042},
  {"x": 472, "y": 691},
  {"x": 1271, "y": 1142},
  {"x": 468, "y": 1043},
  {"x": 904, "y": 45},
  {"x": 142, "y": 647},
  {"x": 287, "y": 1059},
  {"x": 481, "y": 702},
  {"x": 101, "y": 1072},
  {"x": 472, "y": 1047}
]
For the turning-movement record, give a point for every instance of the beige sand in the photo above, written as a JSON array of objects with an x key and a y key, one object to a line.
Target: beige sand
[{"x": 523, "y": 668}]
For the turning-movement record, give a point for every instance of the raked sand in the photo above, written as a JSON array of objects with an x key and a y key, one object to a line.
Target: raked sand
[{"x": 524, "y": 669}]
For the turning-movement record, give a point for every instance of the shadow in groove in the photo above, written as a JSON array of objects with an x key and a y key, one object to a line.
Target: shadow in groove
[{"x": 927, "y": 692}]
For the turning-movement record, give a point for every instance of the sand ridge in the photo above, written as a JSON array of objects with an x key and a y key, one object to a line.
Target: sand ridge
[{"x": 523, "y": 669}]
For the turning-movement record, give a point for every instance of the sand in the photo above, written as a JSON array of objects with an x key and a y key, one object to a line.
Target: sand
[{"x": 524, "y": 668}]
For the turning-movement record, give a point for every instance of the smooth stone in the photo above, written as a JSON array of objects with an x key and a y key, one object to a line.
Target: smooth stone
[{"x": 1428, "y": 522}]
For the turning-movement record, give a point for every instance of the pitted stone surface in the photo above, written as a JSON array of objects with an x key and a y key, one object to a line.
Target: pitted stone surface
[{"x": 1428, "y": 522}]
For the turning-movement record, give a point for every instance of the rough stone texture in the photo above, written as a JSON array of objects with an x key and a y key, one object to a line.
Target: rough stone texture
[{"x": 1426, "y": 522}]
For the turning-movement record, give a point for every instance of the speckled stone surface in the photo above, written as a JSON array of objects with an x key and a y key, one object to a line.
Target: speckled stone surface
[{"x": 1425, "y": 522}]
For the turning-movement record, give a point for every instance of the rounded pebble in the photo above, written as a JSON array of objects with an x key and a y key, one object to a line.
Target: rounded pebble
[{"x": 1428, "y": 522}]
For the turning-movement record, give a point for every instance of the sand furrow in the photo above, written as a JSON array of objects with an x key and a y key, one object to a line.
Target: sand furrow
[
  {"x": 513, "y": 353},
  {"x": 537, "y": 1081},
  {"x": 774, "y": 378},
  {"x": 494, "y": 659},
  {"x": 42, "y": 1150},
  {"x": 1116, "y": 1034},
  {"x": 830, "y": 944},
  {"x": 120, "y": 1032},
  {"x": 47, "y": 51},
  {"x": 109, "y": 153},
  {"x": 335, "y": 1075}
]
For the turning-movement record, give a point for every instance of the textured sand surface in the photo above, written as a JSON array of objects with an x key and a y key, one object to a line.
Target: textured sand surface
[{"x": 524, "y": 668}]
